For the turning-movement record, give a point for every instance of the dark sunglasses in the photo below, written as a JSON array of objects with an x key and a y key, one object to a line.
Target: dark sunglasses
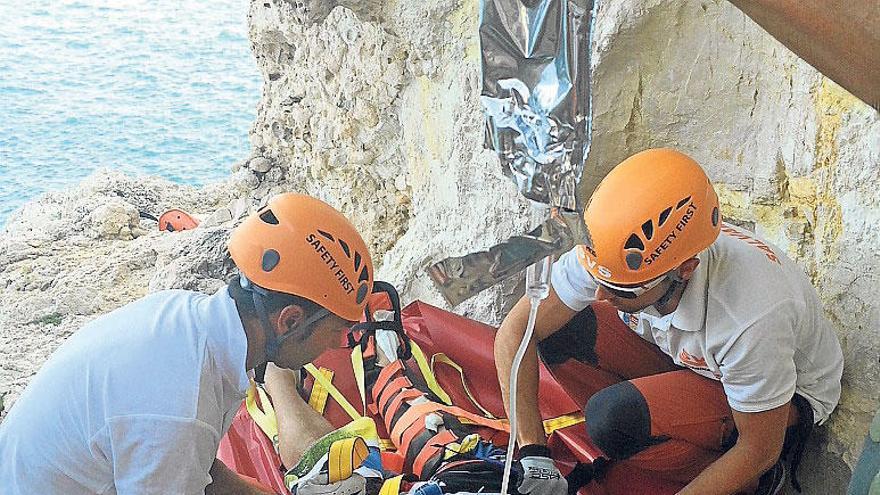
[{"x": 630, "y": 292}]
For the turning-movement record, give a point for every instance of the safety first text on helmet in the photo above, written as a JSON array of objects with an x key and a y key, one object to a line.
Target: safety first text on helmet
[
  {"x": 328, "y": 258},
  {"x": 671, "y": 238}
]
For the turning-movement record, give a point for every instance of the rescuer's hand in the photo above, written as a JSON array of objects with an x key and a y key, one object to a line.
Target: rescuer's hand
[{"x": 540, "y": 475}]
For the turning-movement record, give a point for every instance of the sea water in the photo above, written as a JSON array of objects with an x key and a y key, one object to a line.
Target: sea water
[{"x": 159, "y": 87}]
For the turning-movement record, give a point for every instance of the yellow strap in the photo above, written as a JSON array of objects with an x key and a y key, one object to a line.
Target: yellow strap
[
  {"x": 428, "y": 374},
  {"x": 469, "y": 443},
  {"x": 333, "y": 391},
  {"x": 558, "y": 423},
  {"x": 344, "y": 457},
  {"x": 443, "y": 358},
  {"x": 386, "y": 444},
  {"x": 363, "y": 427},
  {"x": 323, "y": 386},
  {"x": 391, "y": 486},
  {"x": 264, "y": 418},
  {"x": 318, "y": 397},
  {"x": 357, "y": 365},
  {"x": 550, "y": 425},
  {"x": 465, "y": 446}
]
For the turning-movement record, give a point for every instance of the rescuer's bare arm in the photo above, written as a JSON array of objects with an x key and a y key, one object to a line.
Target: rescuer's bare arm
[{"x": 552, "y": 315}]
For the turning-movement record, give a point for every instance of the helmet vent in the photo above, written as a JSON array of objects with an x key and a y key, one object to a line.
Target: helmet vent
[
  {"x": 682, "y": 203},
  {"x": 663, "y": 216},
  {"x": 270, "y": 260},
  {"x": 357, "y": 261},
  {"x": 715, "y": 216},
  {"x": 634, "y": 242},
  {"x": 361, "y": 294},
  {"x": 365, "y": 275},
  {"x": 269, "y": 217},
  {"x": 648, "y": 229},
  {"x": 326, "y": 235},
  {"x": 345, "y": 248},
  {"x": 633, "y": 261}
]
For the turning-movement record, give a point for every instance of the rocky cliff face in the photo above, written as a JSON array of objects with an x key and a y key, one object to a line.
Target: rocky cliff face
[
  {"x": 373, "y": 106},
  {"x": 72, "y": 255}
]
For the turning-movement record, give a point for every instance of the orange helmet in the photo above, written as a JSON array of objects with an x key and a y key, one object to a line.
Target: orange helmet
[
  {"x": 652, "y": 212},
  {"x": 302, "y": 246}
]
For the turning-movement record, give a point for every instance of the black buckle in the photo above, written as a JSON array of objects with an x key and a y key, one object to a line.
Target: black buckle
[{"x": 360, "y": 333}]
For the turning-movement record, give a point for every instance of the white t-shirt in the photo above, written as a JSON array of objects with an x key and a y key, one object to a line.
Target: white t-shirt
[
  {"x": 133, "y": 403},
  {"x": 748, "y": 317}
]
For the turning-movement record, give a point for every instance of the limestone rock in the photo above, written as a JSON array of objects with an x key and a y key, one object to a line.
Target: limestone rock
[
  {"x": 330, "y": 119},
  {"x": 72, "y": 255},
  {"x": 199, "y": 261},
  {"x": 115, "y": 219},
  {"x": 260, "y": 164}
]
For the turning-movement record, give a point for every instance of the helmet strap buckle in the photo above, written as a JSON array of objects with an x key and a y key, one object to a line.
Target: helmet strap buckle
[{"x": 676, "y": 282}]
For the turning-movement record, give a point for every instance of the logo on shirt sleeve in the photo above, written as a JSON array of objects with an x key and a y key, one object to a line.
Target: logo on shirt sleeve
[
  {"x": 736, "y": 234},
  {"x": 696, "y": 363},
  {"x": 630, "y": 319}
]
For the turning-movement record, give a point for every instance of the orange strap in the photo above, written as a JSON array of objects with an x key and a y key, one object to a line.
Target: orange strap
[
  {"x": 404, "y": 395},
  {"x": 495, "y": 424},
  {"x": 399, "y": 384},
  {"x": 409, "y": 435},
  {"x": 417, "y": 411},
  {"x": 413, "y": 414},
  {"x": 435, "y": 445},
  {"x": 551, "y": 425},
  {"x": 385, "y": 376}
]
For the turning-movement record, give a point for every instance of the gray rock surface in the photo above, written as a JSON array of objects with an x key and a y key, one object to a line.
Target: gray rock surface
[{"x": 72, "y": 255}]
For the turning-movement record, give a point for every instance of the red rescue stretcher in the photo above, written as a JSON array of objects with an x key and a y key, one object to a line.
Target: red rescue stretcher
[{"x": 454, "y": 357}]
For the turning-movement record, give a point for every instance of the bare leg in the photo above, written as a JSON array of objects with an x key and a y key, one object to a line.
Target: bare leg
[{"x": 299, "y": 426}]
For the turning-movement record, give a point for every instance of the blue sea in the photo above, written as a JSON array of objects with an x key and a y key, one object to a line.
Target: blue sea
[{"x": 160, "y": 87}]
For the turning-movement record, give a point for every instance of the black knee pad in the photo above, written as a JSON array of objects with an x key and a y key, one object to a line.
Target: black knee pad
[
  {"x": 575, "y": 340},
  {"x": 619, "y": 422}
]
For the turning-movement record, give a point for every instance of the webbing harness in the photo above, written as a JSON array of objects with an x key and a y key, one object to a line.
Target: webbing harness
[
  {"x": 344, "y": 454},
  {"x": 403, "y": 408},
  {"x": 393, "y": 393}
]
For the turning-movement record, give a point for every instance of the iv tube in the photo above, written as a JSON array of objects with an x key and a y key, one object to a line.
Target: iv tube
[{"x": 537, "y": 289}]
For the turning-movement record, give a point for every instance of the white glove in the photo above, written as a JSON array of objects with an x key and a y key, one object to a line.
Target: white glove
[{"x": 540, "y": 475}]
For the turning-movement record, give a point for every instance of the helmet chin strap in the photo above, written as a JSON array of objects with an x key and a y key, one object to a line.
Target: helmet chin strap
[
  {"x": 677, "y": 282},
  {"x": 273, "y": 341},
  {"x": 259, "y": 294}
]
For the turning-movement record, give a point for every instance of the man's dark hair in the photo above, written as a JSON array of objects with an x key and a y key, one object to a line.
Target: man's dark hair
[{"x": 274, "y": 301}]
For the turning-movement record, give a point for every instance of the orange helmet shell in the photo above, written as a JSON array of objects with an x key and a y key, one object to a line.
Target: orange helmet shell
[
  {"x": 302, "y": 246},
  {"x": 175, "y": 220},
  {"x": 652, "y": 212}
]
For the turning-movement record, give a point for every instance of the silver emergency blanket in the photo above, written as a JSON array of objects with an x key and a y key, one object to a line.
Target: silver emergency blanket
[
  {"x": 536, "y": 102},
  {"x": 536, "y": 92},
  {"x": 459, "y": 278}
]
